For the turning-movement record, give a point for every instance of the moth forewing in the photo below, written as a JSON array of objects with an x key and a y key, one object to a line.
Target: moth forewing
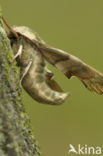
[{"x": 72, "y": 66}]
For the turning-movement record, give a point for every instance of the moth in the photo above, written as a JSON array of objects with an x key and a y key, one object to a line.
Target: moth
[{"x": 31, "y": 54}]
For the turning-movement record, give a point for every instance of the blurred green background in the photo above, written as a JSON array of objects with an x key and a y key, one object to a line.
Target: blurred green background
[{"x": 75, "y": 26}]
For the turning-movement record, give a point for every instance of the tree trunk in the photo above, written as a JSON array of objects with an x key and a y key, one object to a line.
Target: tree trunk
[{"x": 16, "y": 138}]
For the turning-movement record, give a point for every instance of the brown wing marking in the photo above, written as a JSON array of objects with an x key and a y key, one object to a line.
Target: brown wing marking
[{"x": 72, "y": 66}]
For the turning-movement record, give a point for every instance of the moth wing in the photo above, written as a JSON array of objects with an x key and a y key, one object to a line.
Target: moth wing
[
  {"x": 49, "y": 78},
  {"x": 53, "y": 85},
  {"x": 72, "y": 66}
]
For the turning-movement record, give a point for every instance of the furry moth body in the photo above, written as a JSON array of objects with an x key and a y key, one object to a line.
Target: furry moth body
[{"x": 38, "y": 80}]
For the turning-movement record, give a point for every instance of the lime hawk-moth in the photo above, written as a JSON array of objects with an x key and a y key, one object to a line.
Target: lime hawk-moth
[{"x": 31, "y": 54}]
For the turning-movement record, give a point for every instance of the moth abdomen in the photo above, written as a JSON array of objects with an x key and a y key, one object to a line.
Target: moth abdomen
[
  {"x": 35, "y": 84},
  {"x": 42, "y": 93}
]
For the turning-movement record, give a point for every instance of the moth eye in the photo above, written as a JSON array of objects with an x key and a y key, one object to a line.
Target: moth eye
[{"x": 12, "y": 38}]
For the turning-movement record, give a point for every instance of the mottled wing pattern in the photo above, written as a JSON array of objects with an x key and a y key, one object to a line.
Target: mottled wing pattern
[
  {"x": 72, "y": 66},
  {"x": 54, "y": 85}
]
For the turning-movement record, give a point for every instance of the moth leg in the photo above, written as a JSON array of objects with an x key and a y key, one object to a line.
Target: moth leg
[
  {"x": 26, "y": 70},
  {"x": 18, "y": 53}
]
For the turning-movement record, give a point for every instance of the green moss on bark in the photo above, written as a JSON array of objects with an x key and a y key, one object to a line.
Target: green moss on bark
[{"x": 16, "y": 138}]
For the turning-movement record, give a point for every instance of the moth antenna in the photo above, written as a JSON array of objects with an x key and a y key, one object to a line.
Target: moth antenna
[{"x": 16, "y": 35}]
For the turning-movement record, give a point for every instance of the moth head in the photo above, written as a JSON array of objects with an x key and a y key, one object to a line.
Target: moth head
[
  {"x": 25, "y": 32},
  {"x": 11, "y": 37}
]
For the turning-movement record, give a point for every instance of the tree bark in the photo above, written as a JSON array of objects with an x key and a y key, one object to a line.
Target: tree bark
[{"x": 16, "y": 138}]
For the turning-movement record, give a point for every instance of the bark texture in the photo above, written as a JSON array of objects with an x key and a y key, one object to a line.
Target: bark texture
[{"x": 16, "y": 137}]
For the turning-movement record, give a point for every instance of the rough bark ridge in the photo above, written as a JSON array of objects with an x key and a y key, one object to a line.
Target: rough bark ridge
[{"x": 16, "y": 138}]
